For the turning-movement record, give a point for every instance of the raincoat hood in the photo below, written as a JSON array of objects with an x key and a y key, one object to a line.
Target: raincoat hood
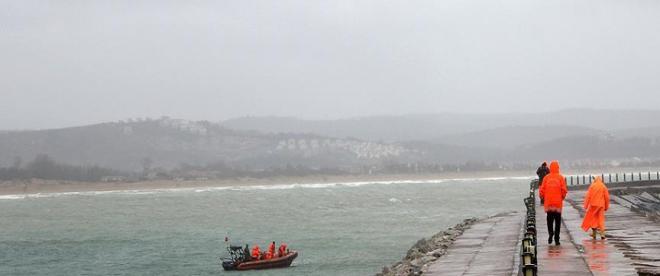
[
  {"x": 596, "y": 190},
  {"x": 554, "y": 167},
  {"x": 598, "y": 181}
]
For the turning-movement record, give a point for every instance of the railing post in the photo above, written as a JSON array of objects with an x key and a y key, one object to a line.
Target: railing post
[
  {"x": 571, "y": 180},
  {"x": 584, "y": 179},
  {"x": 609, "y": 175},
  {"x": 617, "y": 177},
  {"x": 649, "y": 178},
  {"x": 624, "y": 177},
  {"x": 640, "y": 176}
]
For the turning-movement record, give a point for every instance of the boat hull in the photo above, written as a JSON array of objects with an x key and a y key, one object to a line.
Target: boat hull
[{"x": 279, "y": 262}]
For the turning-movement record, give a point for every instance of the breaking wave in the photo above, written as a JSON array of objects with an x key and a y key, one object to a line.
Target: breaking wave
[{"x": 256, "y": 187}]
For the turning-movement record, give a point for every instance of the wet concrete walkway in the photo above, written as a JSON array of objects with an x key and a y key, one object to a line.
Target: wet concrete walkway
[
  {"x": 632, "y": 246},
  {"x": 490, "y": 247},
  {"x": 563, "y": 259},
  {"x": 487, "y": 248}
]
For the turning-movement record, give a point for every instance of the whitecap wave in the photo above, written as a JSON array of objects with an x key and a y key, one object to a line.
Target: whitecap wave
[
  {"x": 394, "y": 200},
  {"x": 258, "y": 187}
]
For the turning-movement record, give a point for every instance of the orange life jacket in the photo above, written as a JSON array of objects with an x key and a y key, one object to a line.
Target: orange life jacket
[
  {"x": 256, "y": 252},
  {"x": 282, "y": 250}
]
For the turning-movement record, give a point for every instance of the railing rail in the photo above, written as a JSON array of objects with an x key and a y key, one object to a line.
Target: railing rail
[
  {"x": 528, "y": 252},
  {"x": 625, "y": 177}
]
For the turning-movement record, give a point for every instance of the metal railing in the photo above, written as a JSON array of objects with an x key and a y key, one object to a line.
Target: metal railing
[
  {"x": 587, "y": 179},
  {"x": 528, "y": 252}
]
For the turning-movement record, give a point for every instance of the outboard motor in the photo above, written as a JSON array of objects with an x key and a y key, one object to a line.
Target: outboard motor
[{"x": 228, "y": 264}]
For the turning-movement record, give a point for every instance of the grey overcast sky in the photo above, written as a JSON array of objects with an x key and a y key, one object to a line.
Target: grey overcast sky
[{"x": 66, "y": 63}]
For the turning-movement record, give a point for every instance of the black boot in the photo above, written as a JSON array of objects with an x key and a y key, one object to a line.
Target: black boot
[{"x": 550, "y": 239}]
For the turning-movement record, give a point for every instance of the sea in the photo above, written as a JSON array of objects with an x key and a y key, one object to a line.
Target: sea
[{"x": 338, "y": 228}]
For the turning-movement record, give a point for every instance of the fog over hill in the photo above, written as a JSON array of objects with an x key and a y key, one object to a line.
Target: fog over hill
[
  {"x": 442, "y": 126},
  {"x": 389, "y": 143},
  {"x": 516, "y": 136},
  {"x": 170, "y": 143}
]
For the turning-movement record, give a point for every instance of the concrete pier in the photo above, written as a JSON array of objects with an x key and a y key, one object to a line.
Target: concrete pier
[
  {"x": 564, "y": 259},
  {"x": 632, "y": 245},
  {"x": 490, "y": 246},
  {"x": 487, "y": 248}
]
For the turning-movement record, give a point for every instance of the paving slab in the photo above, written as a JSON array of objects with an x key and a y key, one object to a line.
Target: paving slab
[
  {"x": 490, "y": 246},
  {"x": 632, "y": 246},
  {"x": 563, "y": 259},
  {"x": 486, "y": 248},
  {"x": 601, "y": 256}
]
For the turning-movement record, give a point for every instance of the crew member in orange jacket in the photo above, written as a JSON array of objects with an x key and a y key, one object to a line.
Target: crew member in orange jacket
[
  {"x": 271, "y": 251},
  {"x": 282, "y": 250},
  {"x": 596, "y": 203},
  {"x": 256, "y": 252},
  {"x": 552, "y": 192}
]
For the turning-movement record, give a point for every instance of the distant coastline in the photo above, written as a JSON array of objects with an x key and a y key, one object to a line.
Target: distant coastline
[{"x": 40, "y": 186}]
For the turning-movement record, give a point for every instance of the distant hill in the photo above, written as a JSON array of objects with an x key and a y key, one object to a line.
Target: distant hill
[
  {"x": 436, "y": 127},
  {"x": 590, "y": 147},
  {"x": 170, "y": 143},
  {"x": 647, "y": 132},
  {"x": 512, "y": 137},
  {"x": 386, "y": 128}
]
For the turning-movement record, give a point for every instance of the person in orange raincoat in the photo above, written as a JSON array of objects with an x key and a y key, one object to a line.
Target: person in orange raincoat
[
  {"x": 271, "y": 251},
  {"x": 256, "y": 252},
  {"x": 596, "y": 203},
  {"x": 282, "y": 250},
  {"x": 553, "y": 190}
]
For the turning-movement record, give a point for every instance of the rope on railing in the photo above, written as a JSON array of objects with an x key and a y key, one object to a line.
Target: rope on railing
[{"x": 528, "y": 252}]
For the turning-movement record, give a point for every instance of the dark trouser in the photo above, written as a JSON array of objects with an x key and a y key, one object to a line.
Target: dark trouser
[{"x": 554, "y": 218}]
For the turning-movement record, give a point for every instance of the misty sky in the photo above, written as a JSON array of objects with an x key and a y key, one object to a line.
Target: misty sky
[{"x": 66, "y": 63}]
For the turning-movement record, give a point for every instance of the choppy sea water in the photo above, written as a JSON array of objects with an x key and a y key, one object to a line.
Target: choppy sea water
[{"x": 339, "y": 229}]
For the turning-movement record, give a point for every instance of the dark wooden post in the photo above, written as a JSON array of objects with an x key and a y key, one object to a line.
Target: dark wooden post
[
  {"x": 609, "y": 175},
  {"x": 624, "y": 177},
  {"x": 571, "y": 180},
  {"x": 617, "y": 177}
]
